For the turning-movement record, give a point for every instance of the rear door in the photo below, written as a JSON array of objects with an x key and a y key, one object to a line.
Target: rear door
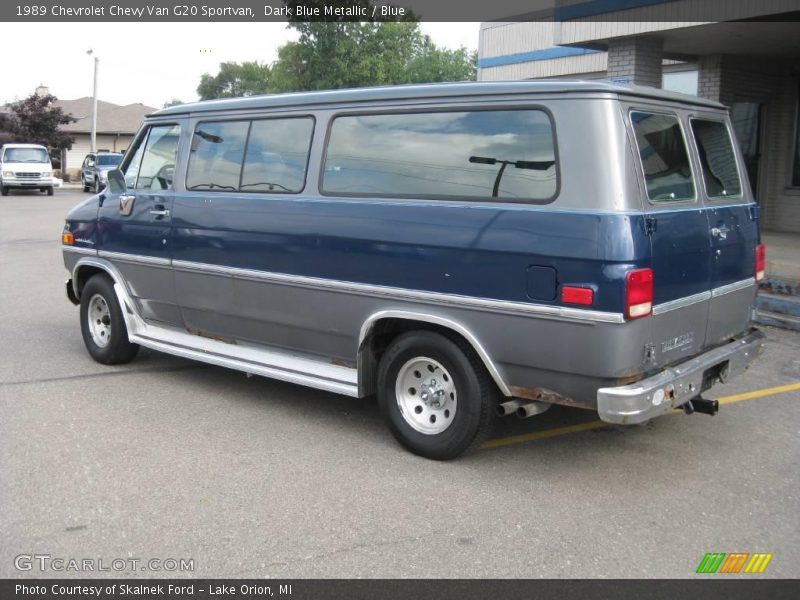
[
  {"x": 678, "y": 229},
  {"x": 733, "y": 228}
]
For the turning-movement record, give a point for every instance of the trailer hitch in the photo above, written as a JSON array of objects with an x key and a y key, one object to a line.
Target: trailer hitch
[{"x": 701, "y": 405}]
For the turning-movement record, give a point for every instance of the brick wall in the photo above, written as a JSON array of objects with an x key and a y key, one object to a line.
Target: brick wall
[{"x": 637, "y": 59}]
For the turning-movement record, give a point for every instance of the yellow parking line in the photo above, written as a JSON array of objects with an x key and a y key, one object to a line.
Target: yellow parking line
[{"x": 558, "y": 431}]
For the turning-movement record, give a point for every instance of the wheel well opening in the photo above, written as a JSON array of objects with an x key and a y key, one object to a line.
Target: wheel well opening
[
  {"x": 380, "y": 337},
  {"x": 83, "y": 275}
]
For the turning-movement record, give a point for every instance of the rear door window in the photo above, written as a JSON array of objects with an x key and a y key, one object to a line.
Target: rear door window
[
  {"x": 277, "y": 155},
  {"x": 664, "y": 157},
  {"x": 717, "y": 158}
]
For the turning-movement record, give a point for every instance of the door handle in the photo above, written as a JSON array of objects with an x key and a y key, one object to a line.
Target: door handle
[
  {"x": 720, "y": 232},
  {"x": 160, "y": 211}
]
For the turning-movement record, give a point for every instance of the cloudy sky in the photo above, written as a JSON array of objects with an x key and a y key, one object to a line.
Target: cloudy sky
[{"x": 149, "y": 62}]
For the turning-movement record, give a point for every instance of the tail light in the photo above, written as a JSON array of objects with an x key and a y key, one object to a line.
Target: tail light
[
  {"x": 638, "y": 293},
  {"x": 761, "y": 261}
]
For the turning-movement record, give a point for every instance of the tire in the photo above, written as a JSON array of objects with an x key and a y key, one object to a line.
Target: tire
[
  {"x": 50, "y": 191},
  {"x": 459, "y": 414},
  {"x": 84, "y": 184},
  {"x": 96, "y": 189},
  {"x": 106, "y": 337},
  {"x": 4, "y": 190}
]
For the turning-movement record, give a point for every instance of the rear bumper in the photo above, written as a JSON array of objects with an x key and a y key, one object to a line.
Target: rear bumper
[{"x": 672, "y": 387}]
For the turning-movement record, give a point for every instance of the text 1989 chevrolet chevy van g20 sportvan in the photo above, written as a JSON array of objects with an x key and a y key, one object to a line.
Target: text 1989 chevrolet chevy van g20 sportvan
[{"x": 459, "y": 250}]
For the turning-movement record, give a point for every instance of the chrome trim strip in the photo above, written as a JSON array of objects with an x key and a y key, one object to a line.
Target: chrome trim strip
[
  {"x": 366, "y": 328},
  {"x": 733, "y": 287},
  {"x": 502, "y": 306},
  {"x": 135, "y": 258},
  {"x": 659, "y": 309},
  {"x": 79, "y": 250},
  {"x": 681, "y": 303}
]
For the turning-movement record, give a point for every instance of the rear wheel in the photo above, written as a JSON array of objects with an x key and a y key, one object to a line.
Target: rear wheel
[
  {"x": 102, "y": 323},
  {"x": 435, "y": 394}
]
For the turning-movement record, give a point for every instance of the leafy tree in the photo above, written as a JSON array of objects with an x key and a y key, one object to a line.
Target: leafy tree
[
  {"x": 235, "y": 79},
  {"x": 341, "y": 52},
  {"x": 173, "y": 102},
  {"x": 36, "y": 120}
]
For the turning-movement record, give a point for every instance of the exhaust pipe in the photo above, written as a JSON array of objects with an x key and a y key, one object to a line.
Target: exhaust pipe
[
  {"x": 507, "y": 408},
  {"x": 530, "y": 409}
]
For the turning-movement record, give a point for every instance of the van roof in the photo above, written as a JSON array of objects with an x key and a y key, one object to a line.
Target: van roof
[{"x": 433, "y": 90}]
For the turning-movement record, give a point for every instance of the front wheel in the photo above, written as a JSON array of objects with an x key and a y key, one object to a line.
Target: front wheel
[
  {"x": 103, "y": 325},
  {"x": 435, "y": 395},
  {"x": 84, "y": 184},
  {"x": 4, "y": 190}
]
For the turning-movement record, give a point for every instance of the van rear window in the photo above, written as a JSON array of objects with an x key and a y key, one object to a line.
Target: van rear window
[
  {"x": 268, "y": 155},
  {"x": 720, "y": 172},
  {"x": 665, "y": 160},
  {"x": 487, "y": 154}
]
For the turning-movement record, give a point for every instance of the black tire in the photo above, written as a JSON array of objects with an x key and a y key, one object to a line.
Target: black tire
[
  {"x": 50, "y": 191},
  {"x": 96, "y": 189},
  {"x": 118, "y": 349},
  {"x": 84, "y": 184},
  {"x": 4, "y": 190},
  {"x": 476, "y": 394}
]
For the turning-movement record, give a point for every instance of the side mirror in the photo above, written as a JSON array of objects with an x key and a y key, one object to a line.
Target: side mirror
[
  {"x": 90, "y": 163},
  {"x": 116, "y": 182}
]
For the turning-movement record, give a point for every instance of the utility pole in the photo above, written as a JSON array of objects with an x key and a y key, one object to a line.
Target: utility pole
[{"x": 94, "y": 102}]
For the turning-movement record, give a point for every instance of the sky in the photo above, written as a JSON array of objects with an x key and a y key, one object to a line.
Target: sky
[{"x": 151, "y": 63}]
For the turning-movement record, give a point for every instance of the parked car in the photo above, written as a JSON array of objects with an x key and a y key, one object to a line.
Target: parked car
[
  {"x": 95, "y": 168},
  {"x": 460, "y": 250},
  {"x": 25, "y": 166}
]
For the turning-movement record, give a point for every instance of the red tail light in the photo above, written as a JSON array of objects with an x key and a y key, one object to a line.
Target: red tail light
[
  {"x": 638, "y": 293},
  {"x": 761, "y": 261}
]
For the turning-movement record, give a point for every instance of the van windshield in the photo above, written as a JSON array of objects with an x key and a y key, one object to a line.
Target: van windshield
[
  {"x": 108, "y": 160},
  {"x": 26, "y": 155}
]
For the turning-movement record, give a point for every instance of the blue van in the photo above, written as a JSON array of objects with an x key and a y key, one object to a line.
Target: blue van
[{"x": 461, "y": 251}]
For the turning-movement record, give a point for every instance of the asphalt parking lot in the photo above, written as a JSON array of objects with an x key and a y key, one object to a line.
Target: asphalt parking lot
[{"x": 164, "y": 458}]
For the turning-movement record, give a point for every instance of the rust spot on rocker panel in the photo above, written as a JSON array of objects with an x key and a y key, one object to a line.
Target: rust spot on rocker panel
[
  {"x": 543, "y": 395},
  {"x": 210, "y": 336}
]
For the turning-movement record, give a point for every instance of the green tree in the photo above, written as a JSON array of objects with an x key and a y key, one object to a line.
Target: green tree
[
  {"x": 36, "y": 120},
  {"x": 342, "y": 52},
  {"x": 173, "y": 102},
  {"x": 234, "y": 80}
]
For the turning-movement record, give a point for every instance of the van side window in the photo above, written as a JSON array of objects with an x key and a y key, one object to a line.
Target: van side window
[
  {"x": 482, "y": 154},
  {"x": 215, "y": 158},
  {"x": 662, "y": 150},
  {"x": 152, "y": 165},
  {"x": 277, "y": 155},
  {"x": 714, "y": 145}
]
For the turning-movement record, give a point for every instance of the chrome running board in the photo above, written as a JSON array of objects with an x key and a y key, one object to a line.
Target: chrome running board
[{"x": 240, "y": 356}]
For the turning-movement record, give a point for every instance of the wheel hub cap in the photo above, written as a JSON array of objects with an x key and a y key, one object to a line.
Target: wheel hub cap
[
  {"x": 99, "y": 318},
  {"x": 426, "y": 395}
]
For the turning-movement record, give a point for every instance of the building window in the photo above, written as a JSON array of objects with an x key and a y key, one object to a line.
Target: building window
[{"x": 684, "y": 82}]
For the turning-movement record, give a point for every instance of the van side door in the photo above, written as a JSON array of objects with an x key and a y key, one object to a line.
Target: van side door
[
  {"x": 678, "y": 230},
  {"x": 134, "y": 225},
  {"x": 733, "y": 227}
]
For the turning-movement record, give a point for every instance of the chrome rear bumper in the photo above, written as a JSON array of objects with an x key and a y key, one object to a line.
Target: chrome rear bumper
[{"x": 672, "y": 387}]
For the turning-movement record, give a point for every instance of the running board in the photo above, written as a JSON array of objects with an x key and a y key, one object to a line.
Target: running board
[{"x": 242, "y": 357}]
